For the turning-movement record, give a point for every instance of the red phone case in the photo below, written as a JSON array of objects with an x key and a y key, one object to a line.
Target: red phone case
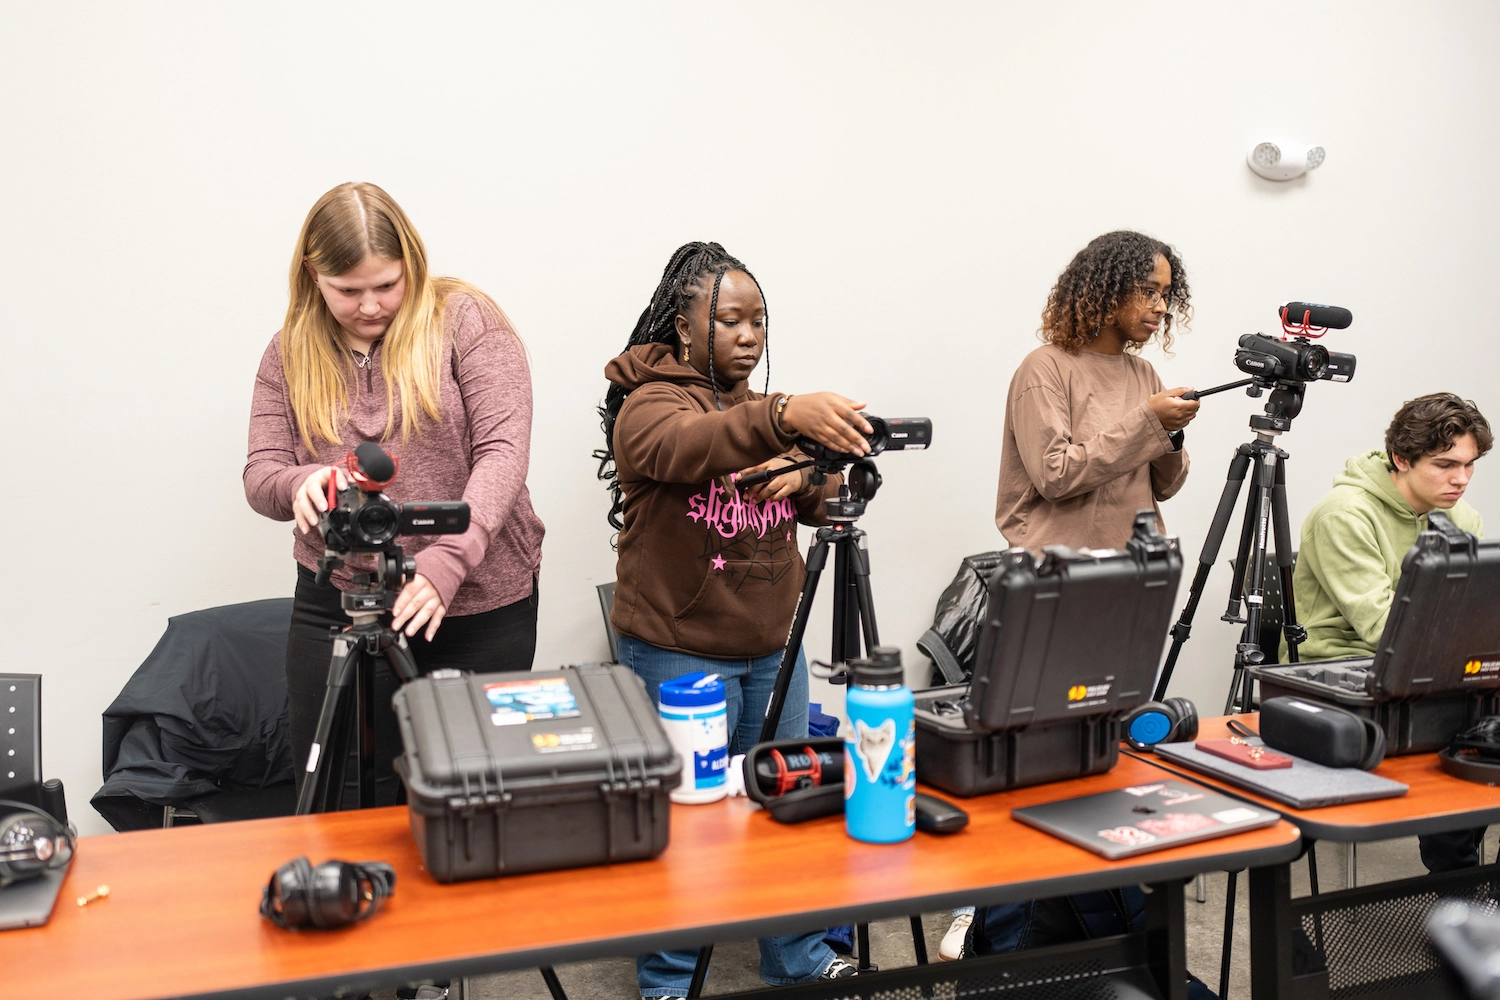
[{"x": 1240, "y": 753}]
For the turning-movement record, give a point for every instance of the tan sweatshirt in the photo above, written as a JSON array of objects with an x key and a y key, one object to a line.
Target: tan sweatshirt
[
  {"x": 1083, "y": 452},
  {"x": 700, "y": 569}
]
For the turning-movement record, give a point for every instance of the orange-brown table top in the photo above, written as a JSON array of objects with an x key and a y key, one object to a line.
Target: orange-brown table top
[{"x": 181, "y": 918}]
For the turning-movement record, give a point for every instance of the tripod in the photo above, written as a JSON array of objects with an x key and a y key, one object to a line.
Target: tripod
[
  {"x": 853, "y": 607},
  {"x": 1265, "y": 512},
  {"x": 353, "y": 660}
]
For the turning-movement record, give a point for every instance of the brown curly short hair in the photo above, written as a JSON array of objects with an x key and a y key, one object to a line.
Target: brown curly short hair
[
  {"x": 1103, "y": 275},
  {"x": 1430, "y": 424}
]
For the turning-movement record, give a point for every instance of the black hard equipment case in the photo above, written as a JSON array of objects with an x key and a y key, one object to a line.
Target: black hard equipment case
[
  {"x": 532, "y": 771},
  {"x": 1069, "y": 643},
  {"x": 1436, "y": 670}
]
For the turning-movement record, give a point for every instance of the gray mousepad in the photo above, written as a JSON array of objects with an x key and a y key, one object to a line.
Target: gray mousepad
[
  {"x": 1304, "y": 785},
  {"x": 1142, "y": 818}
]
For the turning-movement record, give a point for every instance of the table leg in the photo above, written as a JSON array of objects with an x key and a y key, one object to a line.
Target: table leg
[
  {"x": 1273, "y": 929},
  {"x": 1166, "y": 939}
]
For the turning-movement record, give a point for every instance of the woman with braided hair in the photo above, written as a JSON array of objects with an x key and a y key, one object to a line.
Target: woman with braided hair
[
  {"x": 708, "y": 574},
  {"x": 1091, "y": 437}
]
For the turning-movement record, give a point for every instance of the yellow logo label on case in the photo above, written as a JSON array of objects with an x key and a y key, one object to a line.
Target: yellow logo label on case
[{"x": 1077, "y": 692}]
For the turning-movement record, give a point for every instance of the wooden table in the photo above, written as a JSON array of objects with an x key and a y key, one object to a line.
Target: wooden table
[
  {"x": 181, "y": 917},
  {"x": 1359, "y": 960}
]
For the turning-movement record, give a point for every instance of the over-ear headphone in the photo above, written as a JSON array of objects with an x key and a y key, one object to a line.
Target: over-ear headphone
[
  {"x": 1169, "y": 721},
  {"x": 334, "y": 894},
  {"x": 31, "y": 842}
]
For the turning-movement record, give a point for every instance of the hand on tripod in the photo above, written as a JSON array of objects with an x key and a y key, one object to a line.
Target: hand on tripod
[
  {"x": 418, "y": 604},
  {"x": 1172, "y": 410},
  {"x": 781, "y": 485}
]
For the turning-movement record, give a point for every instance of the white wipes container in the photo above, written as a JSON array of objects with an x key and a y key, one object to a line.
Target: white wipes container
[{"x": 694, "y": 716}]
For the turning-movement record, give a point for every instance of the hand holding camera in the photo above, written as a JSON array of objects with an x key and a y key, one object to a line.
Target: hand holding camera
[
  {"x": 311, "y": 499},
  {"x": 829, "y": 419}
]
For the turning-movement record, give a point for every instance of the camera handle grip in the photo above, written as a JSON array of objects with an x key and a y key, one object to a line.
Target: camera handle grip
[
  {"x": 1200, "y": 393},
  {"x": 766, "y": 475}
]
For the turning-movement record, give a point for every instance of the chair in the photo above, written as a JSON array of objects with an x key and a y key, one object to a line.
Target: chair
[
  {"x": 606, "y": 592},
  {"x": 199, "y": 732},
  {"x": 21, "y": 738}
]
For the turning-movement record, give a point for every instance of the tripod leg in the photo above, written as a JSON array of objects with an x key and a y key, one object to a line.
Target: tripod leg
[
  {"x": 859, "y": 574},
  {"x": 364, "y": 700},
  {"x": 1294, "y": 632},
  {"x": 817, "y": 558},
  {"x": 1184, "y": 627},
  {"x": 1249, "y": 652},
  {"x": 320, "y": 765},
  {"x": 398, "y": 655},
  {"x": 845, "y": 619},
  {"x": 1241, "y": 559}
]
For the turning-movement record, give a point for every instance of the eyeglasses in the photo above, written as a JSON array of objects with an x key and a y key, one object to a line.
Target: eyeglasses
[{"x": 1152, "y": 296}]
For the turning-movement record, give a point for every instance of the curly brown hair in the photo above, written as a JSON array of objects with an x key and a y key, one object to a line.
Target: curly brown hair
[
  {"x": 1430, "y": 424},
  {"x": 1100, "y": 278}
]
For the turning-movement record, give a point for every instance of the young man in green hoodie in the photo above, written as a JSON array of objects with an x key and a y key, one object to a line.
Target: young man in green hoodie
[{"x": 1353, "y": 541}]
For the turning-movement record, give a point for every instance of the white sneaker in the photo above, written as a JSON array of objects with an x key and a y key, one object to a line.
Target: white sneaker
[
  {"x": 839, "y": 969},
  {"x": 951, "y": 949}
]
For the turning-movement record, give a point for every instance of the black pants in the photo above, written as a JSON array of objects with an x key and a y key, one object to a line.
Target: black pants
[{"x": 502, "y": 639}]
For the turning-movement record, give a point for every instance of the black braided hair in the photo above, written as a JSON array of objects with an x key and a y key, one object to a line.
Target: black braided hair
[{"x": 681, "y": 282}]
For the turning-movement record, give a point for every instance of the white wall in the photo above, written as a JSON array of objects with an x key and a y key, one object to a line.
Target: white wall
[{"x": 906, "y": 180}]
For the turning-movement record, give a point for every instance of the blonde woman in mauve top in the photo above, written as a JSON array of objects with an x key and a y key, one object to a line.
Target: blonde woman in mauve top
[
  {"x": 375, "y": 348},
  {"x": 1091, "y": 436}
]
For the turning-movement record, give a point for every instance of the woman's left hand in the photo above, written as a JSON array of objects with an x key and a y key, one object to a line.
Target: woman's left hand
[
  {"x": 775, "y": 489},
  {"x": 418, "y": 604}
]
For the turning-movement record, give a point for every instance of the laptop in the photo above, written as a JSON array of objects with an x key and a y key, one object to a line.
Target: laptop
[
  {"x": 1144, "y": 818},
  {"x": 28, "y": 903}
]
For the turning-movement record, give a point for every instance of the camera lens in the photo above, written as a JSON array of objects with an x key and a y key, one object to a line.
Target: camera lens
[
  {"x": 1315, "y": 362},
  {"x": 375, "y": 523}
]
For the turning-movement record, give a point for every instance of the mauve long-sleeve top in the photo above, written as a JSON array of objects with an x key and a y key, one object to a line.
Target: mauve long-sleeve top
[{"x": 478, "y": 451}]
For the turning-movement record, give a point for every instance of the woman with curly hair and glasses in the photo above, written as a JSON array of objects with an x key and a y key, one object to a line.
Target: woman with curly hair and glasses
[{"x": 1091, "y": 437}]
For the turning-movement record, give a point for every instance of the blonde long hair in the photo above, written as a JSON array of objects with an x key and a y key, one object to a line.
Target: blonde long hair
[{"x": 348, "y": 224}]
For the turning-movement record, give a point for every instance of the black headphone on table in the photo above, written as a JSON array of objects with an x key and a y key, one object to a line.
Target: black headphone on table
[
  {"x": 334, "y": 894},
  {"x": 1169, "y": 721},
  {"x": 31, "y": 842}
]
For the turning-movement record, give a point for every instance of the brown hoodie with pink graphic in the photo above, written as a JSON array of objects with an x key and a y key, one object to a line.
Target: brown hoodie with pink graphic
[{"x": 701, "y": 569}]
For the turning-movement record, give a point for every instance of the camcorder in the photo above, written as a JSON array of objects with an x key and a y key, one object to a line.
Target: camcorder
[
  {"x": 361, "y": 518},
  {"x": 1262, "y": 356},
  {"x": 887, "y": 434},
  {"x": 362, "y": 522},
  {"x": 1287, "y": 363}
]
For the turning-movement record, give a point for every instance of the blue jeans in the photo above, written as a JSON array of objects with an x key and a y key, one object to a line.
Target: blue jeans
[{"x": 786, "y": 958}]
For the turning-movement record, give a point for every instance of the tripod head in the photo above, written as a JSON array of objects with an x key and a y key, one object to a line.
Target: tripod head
[{"x": 1283, "y": 406}]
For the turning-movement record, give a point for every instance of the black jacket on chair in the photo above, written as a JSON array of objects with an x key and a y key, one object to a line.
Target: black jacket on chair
[{"x": 206, "y": 712}]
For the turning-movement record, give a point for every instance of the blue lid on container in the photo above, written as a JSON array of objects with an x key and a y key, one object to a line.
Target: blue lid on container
[{"x": 692, "y": 690}]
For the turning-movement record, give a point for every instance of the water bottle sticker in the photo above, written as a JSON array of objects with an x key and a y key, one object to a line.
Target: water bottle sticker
[
  {"x": 709, "y": 768},
  {"x": 873, "y": 745},
  {"x": 911, "y": 810},
  {"x": 851, "y": 777}
]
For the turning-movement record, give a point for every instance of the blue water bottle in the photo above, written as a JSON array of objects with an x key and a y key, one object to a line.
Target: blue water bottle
[{"x": 880, "y": 751}]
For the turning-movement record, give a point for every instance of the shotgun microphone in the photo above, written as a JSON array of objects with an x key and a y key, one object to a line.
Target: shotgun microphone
[{"x": 1313, "y": 314}]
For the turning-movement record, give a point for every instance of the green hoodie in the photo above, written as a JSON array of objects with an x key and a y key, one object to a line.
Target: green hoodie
[{"x": 1353, "y": 541}]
